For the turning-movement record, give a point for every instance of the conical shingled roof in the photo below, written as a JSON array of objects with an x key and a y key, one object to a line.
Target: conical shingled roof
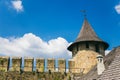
[{"x": 87, "y": 34}]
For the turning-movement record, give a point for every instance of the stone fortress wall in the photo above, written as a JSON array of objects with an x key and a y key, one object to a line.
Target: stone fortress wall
[{"x": 16, "y": 64}]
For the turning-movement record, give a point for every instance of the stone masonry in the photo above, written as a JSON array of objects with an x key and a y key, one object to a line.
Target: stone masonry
[
  {"x": 85, "y": 60},
  {"x": 51, "y": 64},
  {"x": 16, "y": 64},
  {"x": 4, "y": 63},
  {"x": 61, "y": 65},
  {"x": 40, "y": 64},
  {"x": 28, "y": 64}
]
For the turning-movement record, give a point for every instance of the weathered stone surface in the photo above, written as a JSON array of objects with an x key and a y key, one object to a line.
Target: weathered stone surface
[
  {"x": 40, "y": 64},
  {"x": 61, "y": 65},
  {"x": 4, "y": 63},
  {"x": 16, "y": 64},
  {"x": 28, "y": 64},
  {"x": 71, "y": 64},
  {"x": 14, "y": 75},
  {"x": 51, "y": 65},
  {"x": 85, "y": 60}
]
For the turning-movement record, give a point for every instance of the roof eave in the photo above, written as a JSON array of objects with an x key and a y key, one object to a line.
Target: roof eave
[{"x": 106, "y": 45}]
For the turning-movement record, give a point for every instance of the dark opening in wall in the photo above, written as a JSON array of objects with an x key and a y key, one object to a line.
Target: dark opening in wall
[
  {"x": 77, "y": 47},
  {"x": 97, "y": 48},
  {"x": 87, "y": 45}
]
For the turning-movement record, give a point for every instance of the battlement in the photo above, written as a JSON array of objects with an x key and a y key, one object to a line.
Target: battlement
[
  {"x": 4, "y": 63},
  {"x": 28, "y": 66},
  {"x": 16, "y": 64},
  {"x": 40, "y": 64},
  {"x": 51, "y": 64},
  {"x": 62, "y": 65},
  {"x": 71, "y": 65}
]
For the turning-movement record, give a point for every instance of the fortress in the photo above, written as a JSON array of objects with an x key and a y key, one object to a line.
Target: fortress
[{"x": 88, "y": 62}]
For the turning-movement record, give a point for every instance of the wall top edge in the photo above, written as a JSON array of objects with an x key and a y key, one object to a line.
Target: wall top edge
[
  {"x": 16, "y": 57},
  {"x": 4, "y": 57},
  {"x": 40, "y": 58},
  {"x": 61, "y": 59},
  {"x": 50, "y": 59},
  {"x": 28, "y": 58}
]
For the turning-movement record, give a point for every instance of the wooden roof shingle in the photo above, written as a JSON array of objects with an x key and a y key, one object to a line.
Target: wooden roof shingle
[{"x": 87, "y": 33}]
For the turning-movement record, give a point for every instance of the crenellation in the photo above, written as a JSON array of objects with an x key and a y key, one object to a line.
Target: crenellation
[
  {"x": 51, "y": 64},
  {"x": 61, "y": 65},
  {"x": 16, "y": 63},
  {"x": 28, "y": 64},
  {"x": 71, "y": 64},
  {"x": 4, "y": 63},
  {"x": 40, "y": 64}
]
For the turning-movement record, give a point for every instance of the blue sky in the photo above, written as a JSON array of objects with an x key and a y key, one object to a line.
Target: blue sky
[{"x": 58, "y": 20}]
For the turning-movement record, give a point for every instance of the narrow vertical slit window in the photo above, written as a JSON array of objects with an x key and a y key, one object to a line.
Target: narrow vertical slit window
[
  {"x": 87, "y": 45},
  {"x": 97, "y": 48}
]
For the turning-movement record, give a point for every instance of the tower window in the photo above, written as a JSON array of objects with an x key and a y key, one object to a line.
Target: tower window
[
  {"x": 97, "y": 47},
  {"x": 77, "y": 47},
  {"x": 87, "y": 45}
]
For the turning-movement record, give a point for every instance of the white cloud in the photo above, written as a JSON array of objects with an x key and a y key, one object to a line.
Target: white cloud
[
  {"x": 17, "y": 5},
  {"x": 33, "y": 46},
  {"x": 117, "y": 8}
]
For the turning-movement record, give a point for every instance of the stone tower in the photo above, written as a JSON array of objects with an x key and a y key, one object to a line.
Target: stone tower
[{"x": 86, "y": 48}]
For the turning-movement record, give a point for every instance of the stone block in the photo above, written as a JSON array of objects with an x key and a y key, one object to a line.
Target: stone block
[
  {"x": 28, "y": 64},
  {"x": 40, "y": 64},
  {"x": 61, "y": 65},
  {"x": 4, "y": 63},
  {"x": 16, "y": 63},
  {"x": 71, "y": 64},
  {"x": 51, "y": 65}
]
